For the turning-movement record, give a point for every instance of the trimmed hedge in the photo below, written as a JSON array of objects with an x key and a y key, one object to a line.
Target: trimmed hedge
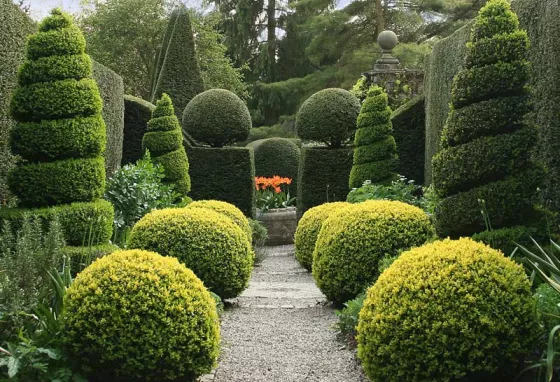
[
  {"x": 228, "y": 210},
  {"x": 374, "y": 160},
  {"x": 409, "y": 131},
  {"x": 226, "y": 174},
  {"x": 111, "y": 88},
  {"x": 208, "y": 242},
  {"x": 328, "y": 116},
  {"x": 354, "y": 239},
  {"x": 277, "y": 156},
  {"x": 154, "y": 321},
  {"x": 137, "y": 113},
  {"x": 217, "y": 117},
  {"x": 179, "y": 75},
  {"x": 323, "y": 176},
  {"x": 431, "y": 316},
  {"x": 81, "y": 257}
]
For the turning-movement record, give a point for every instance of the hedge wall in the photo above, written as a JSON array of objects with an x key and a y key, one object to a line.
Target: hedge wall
[
  {"x": 137, "y": 113},
  {"x": 226, "y": 174},
  {"x": 323, "y": 176},
  {"x": 111, "y": 88},
  {"x": 14, "y": 28},
  {"x": 441, "y": 67},
  {"x": 408, "y": 129}
]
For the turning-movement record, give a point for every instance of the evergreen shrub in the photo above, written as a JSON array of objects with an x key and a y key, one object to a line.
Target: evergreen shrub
[
  {"x": 228, "y": 210},
  {"x": 137, "y": 113},
  {"x": 277, "y": 156}
]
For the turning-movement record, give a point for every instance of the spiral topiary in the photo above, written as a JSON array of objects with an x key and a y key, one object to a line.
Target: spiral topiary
[
  {"x": 448, "y": 311},
  {"x": 308, "y": 230},
  {"x": 277, "y": 156},
  {"x": 328, "y": 116},
  {"x": 228, "y": 210},
  {"x": 164, "y": 140},
  {"x": 354, "y": 239},
  {"x": 375, "y": 150},
  {"x": 138, "y": 316},
  {"x": 207, "y": 242},
  {"x": 217, "y": 117}
]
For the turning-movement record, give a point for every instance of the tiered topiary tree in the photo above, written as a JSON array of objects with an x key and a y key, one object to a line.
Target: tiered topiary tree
[
  {"x": 375, "y": 150},
  {"x": 60, "y": 133},
  {"x": 164, "y": 140},
  {"x": 487, "y": 141},
  {"x": 180, "y": 75}
]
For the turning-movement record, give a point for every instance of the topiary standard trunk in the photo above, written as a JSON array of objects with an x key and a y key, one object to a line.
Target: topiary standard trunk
[
  {"x": 487, "y": 141},
  {"x": 375, "y": 150},
  {"x": 164, "y": 140}
]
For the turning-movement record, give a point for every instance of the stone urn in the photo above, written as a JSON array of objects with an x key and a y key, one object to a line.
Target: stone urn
[{"x": 281, "y": 224}]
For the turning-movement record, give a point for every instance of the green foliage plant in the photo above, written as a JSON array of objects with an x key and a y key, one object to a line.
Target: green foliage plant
[
  {"x": 401, "y": 190},
  {"x": 164, "y": 140},
  {"x": 487, "y": 142},
  {"x": 137, "y": 113},
  {"x": 207, "y": 242},
  {"x": 277, "y": 156},
  {"x": 217, "y": 118},
  {"x": 328, "y": 116},
  {"x": 354, "y": 239},
  {"x": 308, "y": 230},
  {"x": 432, "y": 315},
  {"x": 159, "y": 323}
]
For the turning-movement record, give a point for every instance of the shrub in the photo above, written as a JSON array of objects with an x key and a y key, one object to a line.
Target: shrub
[
  {"x": 476, "y": 160},
  {"x": 207, "y": 242},
  {"x": 79, "y": 258},
  {"x": 217, "y": 117},
  {"x": 433, "y": 315},
  {"x": 228, "y": 210},
  {"x": 137, "y": 113},
  {"x": 276, "y": 156},
  {"x": 155, "y": 320},
  {"x": 353, "y": 240},
  {"x": 165, "y": 143},
  {"x": 375, "y": 149},
  {"x": 328, "y": 116},
  {"x": 548, "y": 306},
  {"x": 308, "y": 230},
  {"x": 400, "y": 190}
]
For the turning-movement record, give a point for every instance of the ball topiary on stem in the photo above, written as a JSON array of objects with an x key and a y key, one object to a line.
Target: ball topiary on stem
[
  {"x": 164, "y": 140},
  {"x": 375, "y": 150}
]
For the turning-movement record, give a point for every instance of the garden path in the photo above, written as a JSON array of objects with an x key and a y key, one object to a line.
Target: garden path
[{"x": 280, "y": 330}]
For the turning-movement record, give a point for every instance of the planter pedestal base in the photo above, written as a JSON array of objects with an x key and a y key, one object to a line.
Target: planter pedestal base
[{"x": 281, "y": 224}]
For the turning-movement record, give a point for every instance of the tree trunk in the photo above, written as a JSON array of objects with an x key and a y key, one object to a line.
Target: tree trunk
[
  {"x": 271, "y": 46},
  {"x": 379, "y": 18}
]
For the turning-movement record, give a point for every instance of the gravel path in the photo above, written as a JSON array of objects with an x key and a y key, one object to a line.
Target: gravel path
[{"x": 280, "y": 330}]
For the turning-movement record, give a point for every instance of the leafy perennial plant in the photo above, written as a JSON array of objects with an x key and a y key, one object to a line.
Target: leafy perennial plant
[{"x": 273, "y": 193}]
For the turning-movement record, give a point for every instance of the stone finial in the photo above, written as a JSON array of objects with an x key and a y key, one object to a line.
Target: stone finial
[{"x": 387, "y": 40}]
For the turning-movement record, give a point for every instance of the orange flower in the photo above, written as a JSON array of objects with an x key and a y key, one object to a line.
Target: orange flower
[{"x": 277, "y": 190}]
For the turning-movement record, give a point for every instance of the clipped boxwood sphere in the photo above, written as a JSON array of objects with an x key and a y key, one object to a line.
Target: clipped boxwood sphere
[
  {"x": 207, "y": 242},
  {"x": 138, "y": 316},
  {"x": 217, "y": 117},
  {"x": 354, "y": 239},
  {"x": 277, "y": 156},
  {"x": 448, "y": 311},
  {"x": 308, "y": 229},
  {"x": 328, "y": 116},
  {"x": 228, "y": 210}
]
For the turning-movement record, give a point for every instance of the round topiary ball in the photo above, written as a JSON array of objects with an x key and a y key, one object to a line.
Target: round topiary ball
[
  {"x": 328, "y": 116},
  {"x": 354, "y": 239},
  {"x": 207, "y": 242},
  {"x": 228, "y": 210},
  {"x": 453, "y": 310},
  {"x": 217, "y": 117},
  {"x": 277, "y": 156},
  {"x": 138, "y": 316},
  {"x": 308, "y": 230}
]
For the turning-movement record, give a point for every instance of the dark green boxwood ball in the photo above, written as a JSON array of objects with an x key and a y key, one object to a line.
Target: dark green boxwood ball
[
  {"x": 217, "y": 117},
  {"x": 328, "y": 116},
  {"x": 276, "y": 156}
]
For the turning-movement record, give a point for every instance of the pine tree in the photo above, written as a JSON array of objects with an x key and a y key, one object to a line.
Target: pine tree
[{"x": 375, "y": 157}]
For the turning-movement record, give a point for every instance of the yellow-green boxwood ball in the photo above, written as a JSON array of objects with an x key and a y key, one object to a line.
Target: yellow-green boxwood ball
[
  {"x": 453, "y": 310},
  {"x": 228, "y": 210},
  {"x": 354, "y": 239},
  {"x": 138, "y": 316},
  {"x": 207, "y": 242}
]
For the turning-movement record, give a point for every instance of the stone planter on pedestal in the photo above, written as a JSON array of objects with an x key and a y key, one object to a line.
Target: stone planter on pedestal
[{"x": 281, "y": 224}]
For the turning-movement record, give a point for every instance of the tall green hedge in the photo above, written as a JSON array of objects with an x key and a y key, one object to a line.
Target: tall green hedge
[
  {"x": 226, "y": 174},
  {"x": 323, "y": 176},
  {"x": 180, "y": 75},
  {"x": 487, "y": 142},
  {"x": 277, "y": 156},
  {"x": 111, "y": 88},
  {"x": 137, "y": 113},
  {"x": 409, "y": 132}
]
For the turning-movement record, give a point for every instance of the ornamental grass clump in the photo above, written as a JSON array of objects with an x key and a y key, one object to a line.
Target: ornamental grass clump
[
  {"x": 138, "y": 316},
  {"x": 353, "y": 240},
  {"x": 453, "y": 310}
]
